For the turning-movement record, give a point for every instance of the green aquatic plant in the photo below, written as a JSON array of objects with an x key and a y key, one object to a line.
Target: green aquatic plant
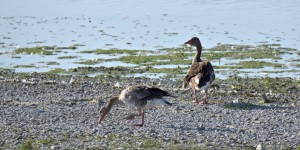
[
  {"x": 177, "y": 70},
  {"x": 169, "y": 56},
  {"x": 89, "y": 62},
  {"x": 27, "y": 144},
  {"x": 56, "y": 70},
  {"x": 6, "y": 69},
  {"x": 25, "y": 66},
  {"x": 245, "y": 51},
  {"x": 115, "y": 51},
  {"x": 43, "y": 50},
  {"x": 46, "y": 141},
  {"x": 229, "y": 47},
  {"x": 258, "y": 53},
  {"x": 52, "y": 63},
  {"x": 66, "y": 57},
  {"x": 257, "y": 64},
  {"x": 207, "y": 55}
]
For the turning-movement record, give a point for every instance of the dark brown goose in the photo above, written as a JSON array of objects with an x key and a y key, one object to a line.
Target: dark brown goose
[
  {"x": 200, "y": 74},
  {"x": 138, "y": 98}
]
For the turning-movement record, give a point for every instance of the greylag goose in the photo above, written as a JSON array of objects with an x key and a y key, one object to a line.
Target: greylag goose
[
  {"x": 139, "y": 98},
  {"x": 200, "y": 74}
]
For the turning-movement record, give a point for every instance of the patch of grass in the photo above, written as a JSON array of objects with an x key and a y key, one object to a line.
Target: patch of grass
[
  {"x": 246, "y": 51},
  {"x": 30, "y": 144},
  {"x": 112, "y": 136},
  {"x": 6, "y": 69},
  {"x": 66, "y": 57},
  {"x": 257, "y": 64},
  {"x": 116, "y": 71},
  {"x": 27, "y": 145},
  {"x": 229, "y": 47},
  {"x": 258, "y": 53},
  {"x": 89, "y": 62},
  {"x": 296, "y": 65},
  {"x": 52, "y": 63},
  {"x": 249, "y": 86},
  {"x": 224, "y": 67},
  {"x": 213, "y": 55},
  {"x": 115, "y": 51},
  {"x": 177, "y": 70},
  {"x": 56, "y": 70},
  {"x": 149, "y": 143},
  {"x": 177, "y": 57},
  {"x": 133, "y": 142},
  {"x": 24, "y": 66},
  {"x": 77, "y": 45},
  {"x": 47, "y": 141},
  {"x": 44, "y": 50}
]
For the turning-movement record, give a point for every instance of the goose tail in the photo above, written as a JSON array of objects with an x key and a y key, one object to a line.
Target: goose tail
[
  {"x": 158, "y": 90},
  {"x": 168, "y": 103}
]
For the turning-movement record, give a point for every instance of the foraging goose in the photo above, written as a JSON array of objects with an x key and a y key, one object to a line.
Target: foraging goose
[
  {"x": 200, "y": 74},
  {"x": 139, "y": 98}
]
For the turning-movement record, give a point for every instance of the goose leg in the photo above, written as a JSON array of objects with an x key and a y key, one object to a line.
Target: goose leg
[
  {"x": 195, "y": 95},
  {"x": 205, "y": 97},
  {"x": 142, "y": 114}
]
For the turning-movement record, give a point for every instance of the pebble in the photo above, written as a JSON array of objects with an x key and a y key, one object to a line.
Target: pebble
[{"x": 55, "y": 147}]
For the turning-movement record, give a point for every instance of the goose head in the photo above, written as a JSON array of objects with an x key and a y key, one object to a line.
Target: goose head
[
  {"x": 193, "y": 42},
  {"x": 106, "y": 109},
  {"x": 103, "y": 112}
]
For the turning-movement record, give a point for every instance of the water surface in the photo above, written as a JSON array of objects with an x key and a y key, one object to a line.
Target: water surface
[{"x": 145, "y": 25}]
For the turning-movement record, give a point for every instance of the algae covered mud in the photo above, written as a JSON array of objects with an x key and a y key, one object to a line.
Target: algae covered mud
[
  {"x": 240, "y": 38},
  {"x": 265, "y": 60}
]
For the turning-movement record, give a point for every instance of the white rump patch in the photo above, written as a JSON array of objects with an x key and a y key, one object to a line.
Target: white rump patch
[
  {"x": 155, "y": 103},
  {"x": 203, "y": 87}
]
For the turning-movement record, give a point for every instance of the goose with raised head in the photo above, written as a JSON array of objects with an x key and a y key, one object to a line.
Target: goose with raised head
[
  {"x": 139, "y": 98},
  {"x": 200, "y": 74}
]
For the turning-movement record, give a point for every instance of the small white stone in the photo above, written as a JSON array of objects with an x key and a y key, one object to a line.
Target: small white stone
[
  {"x": 55, "y": 147},
  {"x": 235, "y": 101},
  {"x": 259, "y": 147}
]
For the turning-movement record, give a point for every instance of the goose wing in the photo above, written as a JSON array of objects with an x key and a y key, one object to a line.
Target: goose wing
[{"x": 203, "y": 70}]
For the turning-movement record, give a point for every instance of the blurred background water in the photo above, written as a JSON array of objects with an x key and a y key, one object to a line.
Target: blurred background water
[{"x": 146, "y": 24}]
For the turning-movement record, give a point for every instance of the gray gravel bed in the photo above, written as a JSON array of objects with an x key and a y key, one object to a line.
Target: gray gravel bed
[{"x": 61, "y": 112}]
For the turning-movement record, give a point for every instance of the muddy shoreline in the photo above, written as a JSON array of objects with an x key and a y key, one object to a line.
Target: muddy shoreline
[{"x": 48, "y": 111}]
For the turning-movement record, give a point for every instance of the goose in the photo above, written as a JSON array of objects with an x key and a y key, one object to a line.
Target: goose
[
  {"x": 200, "y": 74},
  {"x": 139, "y": 98}
]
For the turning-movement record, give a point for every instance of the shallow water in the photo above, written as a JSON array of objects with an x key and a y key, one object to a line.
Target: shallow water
[{"x": 148, "y": 25}]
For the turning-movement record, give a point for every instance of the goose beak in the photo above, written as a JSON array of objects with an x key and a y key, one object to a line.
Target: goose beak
[
  {"x": 188, "y": 42},
  {"x": 100, "y": 119}
]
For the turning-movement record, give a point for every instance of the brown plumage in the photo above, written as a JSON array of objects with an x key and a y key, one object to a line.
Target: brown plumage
[
  {"x": 200, "y": 74},
  {"x": 139, "y": 98}
]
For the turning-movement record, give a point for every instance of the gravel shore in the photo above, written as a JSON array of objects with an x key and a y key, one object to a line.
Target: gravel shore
[{"x": 41, "y": 111}]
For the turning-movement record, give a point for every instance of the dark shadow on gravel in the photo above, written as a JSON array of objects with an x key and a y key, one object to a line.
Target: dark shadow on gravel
[
  {"x": 250, "y": 106},
  {"x": 184, "y": 128}
]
